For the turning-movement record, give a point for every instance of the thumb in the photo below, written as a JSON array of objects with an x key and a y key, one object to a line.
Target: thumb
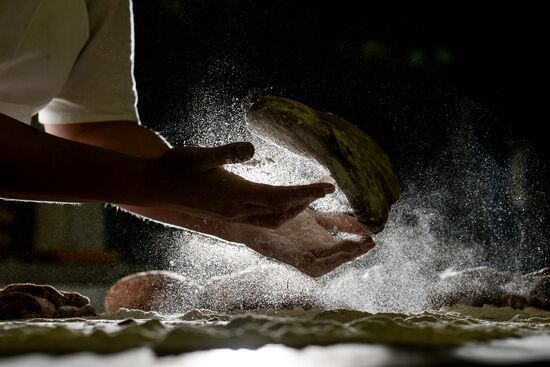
[{"x": 208, "y": 158}]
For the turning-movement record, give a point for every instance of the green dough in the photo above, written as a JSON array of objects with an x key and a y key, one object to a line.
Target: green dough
[{"x": 360, "y": 167}]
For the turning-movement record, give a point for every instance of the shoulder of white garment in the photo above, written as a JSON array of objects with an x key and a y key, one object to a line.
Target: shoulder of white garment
[
  {"x": 101, "y": 85},
  {"x": 69, "y": 59},
  {"x": 39, "y": 43}
]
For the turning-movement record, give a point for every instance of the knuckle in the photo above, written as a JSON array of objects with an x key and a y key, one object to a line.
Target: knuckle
[
  {"x": 314, "y": 272},
  {"x": 310, "y": 257}
]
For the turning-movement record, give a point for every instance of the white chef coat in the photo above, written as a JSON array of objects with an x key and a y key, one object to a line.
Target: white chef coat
[{"x": 71, "y": 61}]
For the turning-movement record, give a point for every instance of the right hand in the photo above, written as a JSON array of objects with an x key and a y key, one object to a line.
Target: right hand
[
  {"x": 307, "y": 244},
  {"x": 192, "y": 180}
]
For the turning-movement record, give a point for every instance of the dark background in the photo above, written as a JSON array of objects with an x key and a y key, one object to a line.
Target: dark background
[
  {"x": 393, "y": 66},
  {"x": 443, "y": 91}
]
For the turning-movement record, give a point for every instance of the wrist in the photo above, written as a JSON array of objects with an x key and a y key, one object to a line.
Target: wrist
[{"x": 150, "y": 187}]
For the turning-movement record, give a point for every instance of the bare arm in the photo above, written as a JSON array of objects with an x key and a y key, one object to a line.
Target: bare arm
[
  {"x": 43, "y": 167},
  {"x": 315, "y": 253},
  {"x": 40, "y": 166},
  {"x": 138, "y": 141}
]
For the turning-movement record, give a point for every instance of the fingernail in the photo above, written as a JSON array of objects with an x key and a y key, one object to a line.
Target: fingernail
[
  {"x": 245, "y": 151},
  {"x": 320, "y": 194}
]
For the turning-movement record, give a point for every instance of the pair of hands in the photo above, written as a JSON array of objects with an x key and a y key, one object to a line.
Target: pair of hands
[
  {"x": 188, "y": 187},
  {"x": 272, "y": 220}
]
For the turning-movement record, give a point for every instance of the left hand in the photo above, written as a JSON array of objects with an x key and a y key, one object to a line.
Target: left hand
[{"x": 306, "y": 244}]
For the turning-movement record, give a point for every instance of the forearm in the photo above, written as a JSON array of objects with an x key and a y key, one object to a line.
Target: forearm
[
  {"x": 39, "y": 166},
  {"x": 130, "y": 138}
]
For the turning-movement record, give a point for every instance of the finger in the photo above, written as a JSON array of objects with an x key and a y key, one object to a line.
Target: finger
[
  {"x": 287, "y": 196},
  {"x": 365, "y": 244},
  {"x": 326, "y": 264},
  {"x": 338, "y": 222},
  {"x": 297, "y": 193},
  {"x": 208, "y": 158},
  {"x": 274, "y": 221},
  {"x": 255, "y": 209}
]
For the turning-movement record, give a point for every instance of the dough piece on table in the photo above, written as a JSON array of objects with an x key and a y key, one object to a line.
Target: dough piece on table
[
  {"x": 488, "y": 286},
  {"x": 26, "y": 300},
  {"x": 160, "y": 291},
  {"x": 263, "y": 288}
]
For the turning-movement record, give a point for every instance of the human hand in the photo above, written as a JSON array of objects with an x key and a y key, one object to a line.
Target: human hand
[
  {"x": 305, "y": 242},
  {"x": 193, "y": 181}
]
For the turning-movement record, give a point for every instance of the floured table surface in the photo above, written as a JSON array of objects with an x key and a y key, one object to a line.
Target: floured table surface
[{"x": 446, "y": 329}]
